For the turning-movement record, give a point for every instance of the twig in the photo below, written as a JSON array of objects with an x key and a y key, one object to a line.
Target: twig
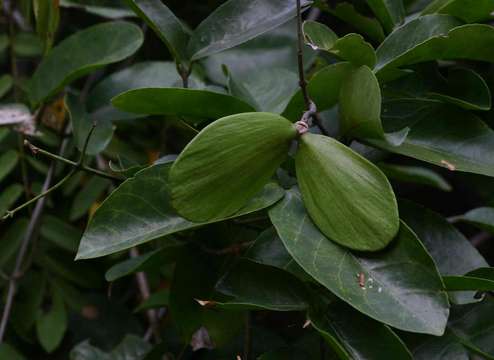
[
  {"x": 184, "y": 73},
  {"x": 300, "y": 57},
  {"x": 311, "y": 109},
  {"x": 36, "y": 150},
  {"x": 33, "y": 223},
  {"x": 143, "y": 284}
]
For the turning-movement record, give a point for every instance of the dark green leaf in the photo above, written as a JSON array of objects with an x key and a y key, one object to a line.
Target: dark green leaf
[
  {"x": 452, "y": 252},
  {"x": 390, "y": 12},
  {"x": 153, "y": 259},
  {"x": 180, "y": 102},
  {"x": 465, "y": 88},
  {"x": 482, "y": 218},
  {"x": 324, "y": 89},
  {"x": 156, "y": 300},
  {"x": 8, "y": 161},
  {"x": 131, "y": 347},
  {"x": 361, "y": 337},
  {"x": 81, "y": 53},
  {"x": 360, "y": 107},
  {"x": 88, "y": 196},
  {"x": 141, "y": 75},
  {"x": 11, "y": 240},
  {"x": 252, "y": 286},
  {"x": 6, "y": 83},
  {"x": 434, "y": 37},
  {"x": 351, "y": 47},
  {"x": 464, "y": 283},
  {"x": 8, "y": 352},
  {"x": 28, "y": 45},
  {"x": 61, "y": 233},
  {"x": 117, "y": 226},
  {"x": 405, "y": 291},
  {"x": 238, "y": 21},
  {"x": 455, "y": 139},
  {"x": 82, "y": 124},
  {"x": 47, "y": 14},
  {"x": 365, "y": 25},
  {"x": 331, "y": 176},
  {"x": 269, "y": 250},
  {"x": 165, "y": 24},
  {"x": 52, "y": 324},
  {"x": 9, "y": 196},
  {"x": 222, "y": 168},
  {"x": 467, "y": 10},
  {"x": 415, "y": 174}
]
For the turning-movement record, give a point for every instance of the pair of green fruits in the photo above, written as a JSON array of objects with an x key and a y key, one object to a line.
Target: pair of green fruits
[{"x": 229, "y": 162}]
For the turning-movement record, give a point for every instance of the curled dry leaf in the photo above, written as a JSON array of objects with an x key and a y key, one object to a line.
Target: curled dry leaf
[{"x": 19, "y": 117}]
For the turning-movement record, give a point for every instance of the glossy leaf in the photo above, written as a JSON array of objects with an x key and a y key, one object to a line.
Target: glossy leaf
[
  {"x": 462, "y": 283},
  {"x": 482, "y": 217},
  {"x": 351, "y": 47},
  {"x": 452, "y": 252},
  {"x": 267, "y": 89},
  {"x": 348, "y": 197},
  {"x": 465, "y": 88},
  {"x": 361, "y": 337},
  {"x": 238, "y": 21},
  {"x": 81, "y": 53},
  {"x": 435, "y": 37},
  {"x": 116, "y": 226},
  {"x": 221, "y": 169},
  {"x": 252, "y": 286},
  {"x": 275, "y": 49},
  {"x": 180, "y": 102},
  {"x": 11, "y": 240},
  {"x": 156, "y": 300},
  {"x": 467, "y": 10},
  {"x": 390, "y": 12},
  {"x": 165, "y": 24},
  {"x": 405, "y": 291},
  {"x": 82, "y": 124},
  {"x": 141, "y": 75},
  {"x": 416, "y": 175},
  {"x": 455, "y": 140},
  {"x": 360, "y": 108},
  {"x": 8, "y": 161}
]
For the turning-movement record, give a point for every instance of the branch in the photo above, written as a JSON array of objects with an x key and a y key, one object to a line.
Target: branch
[
  {"x": 36, "y": 150},
  {"x": 311, "y": 109},
  {"x": 143, "y": 284}
]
